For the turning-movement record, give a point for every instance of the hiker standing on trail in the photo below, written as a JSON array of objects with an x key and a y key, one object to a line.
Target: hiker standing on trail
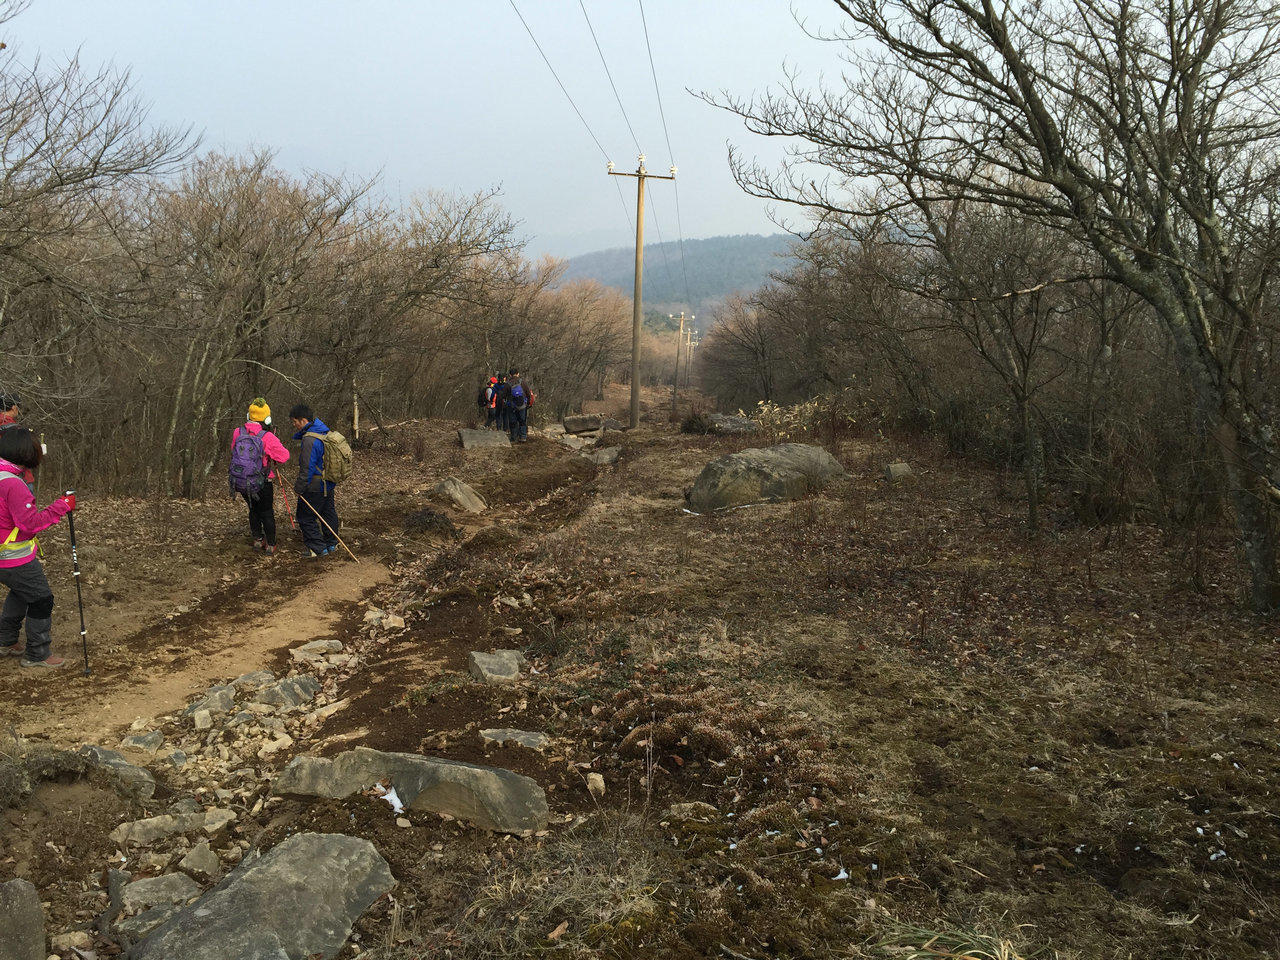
[
  {"x": 499, "y": 403},
  {"x": 30, "y": 598},
  {"x": 254, "y": 450},
  {"x": 491, "y": 403},
  {"x": 10, "y": 409},
  {"x": 517, "y": 399},
  {"x": 316, "y": 513}
]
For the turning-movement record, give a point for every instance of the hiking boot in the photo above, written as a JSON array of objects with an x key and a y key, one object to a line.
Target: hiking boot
[
  {"x": 269, "y": 549},
  {"x": 49, "y": 663},
  {"x": 259, "y": 544},
  {"x": 331, "y": 549},
  {"x": 13, "y": 650}
]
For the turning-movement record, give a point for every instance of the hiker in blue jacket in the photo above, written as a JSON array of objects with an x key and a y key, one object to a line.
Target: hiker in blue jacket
[
  {"x": 315, "y": 496},
  {"x": 517, "y": 399}
]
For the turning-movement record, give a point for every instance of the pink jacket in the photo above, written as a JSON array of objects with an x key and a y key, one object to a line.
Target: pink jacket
[
  {"x": 272, "y": 448},
  {"x": 18, "y": 509}
]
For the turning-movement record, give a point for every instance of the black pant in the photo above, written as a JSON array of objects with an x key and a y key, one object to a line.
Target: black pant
[
  {"x": 29, "y": 599},
  {"x": 518, "y": 423},
  {"x": 315, "y": 535},
  {"x": 262, "y": 514}
]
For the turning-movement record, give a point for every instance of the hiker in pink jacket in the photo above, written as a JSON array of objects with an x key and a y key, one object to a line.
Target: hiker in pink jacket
[
  {"x": 255, "y": 451},
  {"x": 29, "y": 597}
]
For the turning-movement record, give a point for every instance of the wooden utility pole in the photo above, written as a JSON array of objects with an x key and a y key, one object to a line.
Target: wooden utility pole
[
  {"x": 641, "y": 176},
  {"x": 675, "y": 382}
]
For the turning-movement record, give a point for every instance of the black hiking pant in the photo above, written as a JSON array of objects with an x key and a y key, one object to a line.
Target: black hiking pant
[
  {"x": 518, "y": 424},
  {"x": 315, "y": 535},
  {"x": 262, "y": 514},
  {"x": 29, "y": 599}
]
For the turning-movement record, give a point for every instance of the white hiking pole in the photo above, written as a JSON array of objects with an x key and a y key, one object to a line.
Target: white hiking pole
[
  {"x": 75, "y": 572},
  {"x": 329, "y": 528}
]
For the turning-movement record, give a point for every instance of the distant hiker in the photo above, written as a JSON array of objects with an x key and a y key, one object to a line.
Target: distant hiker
[
  {"x": 30, "y": 598},
  {"x": 517, "y": 399},
  {"x": 491, "y": 403},
  {"x": 254, "y": 450},
  {"x": 499, "y": 402},
  {"x": 10, "y": 409},
  {"x": 323, "y": 463}
]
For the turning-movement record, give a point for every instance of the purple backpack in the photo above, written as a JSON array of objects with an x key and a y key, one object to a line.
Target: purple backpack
[{"x": 247, "y": 474}]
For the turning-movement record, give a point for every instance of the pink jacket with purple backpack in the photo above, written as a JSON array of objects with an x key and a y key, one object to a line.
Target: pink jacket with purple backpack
[
  {"x": 273, "y": 450},
  {"x": 19, "y": 517}
]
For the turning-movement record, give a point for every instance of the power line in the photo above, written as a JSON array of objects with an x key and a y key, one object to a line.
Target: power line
[
  {"x": 609, "y": 74},
  {"x": 670, "y": 153},
  {"x": 591, "y": 133}
]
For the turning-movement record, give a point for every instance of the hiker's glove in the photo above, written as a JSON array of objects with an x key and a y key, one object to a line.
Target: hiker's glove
[{"x": 69, "y": 501}]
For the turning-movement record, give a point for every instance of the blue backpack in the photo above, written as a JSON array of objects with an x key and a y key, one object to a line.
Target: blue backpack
[
  {"x": 247, "y": 475},
  {"x": 518, "y": 398}
]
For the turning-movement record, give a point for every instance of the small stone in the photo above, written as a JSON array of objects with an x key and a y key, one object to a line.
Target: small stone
[
  {"x": 373, "y": 615},
  {"x": 201, "y": 861},
  {"x": 202, "y": 719},
  {"x": 215, "y": 820},
  {"x": 501, "y": 666},
  {"x": 595, "y": 785},
  {"x": 275, "y": 746},
  {"x": 897, "y": 471},
  {"x": 393, "y": 621},
  {"x": 147, "y": 742},
  {"x": 153, "y": 891},
  {"x": 71, "y": 940},
  {"x": 251, "y": 682},
  {"x": 217, "y": 699},
  {"x": 402, "y": 822},
  {"x": 525, "y": 738},
  {"x": 177, "y": 759}
]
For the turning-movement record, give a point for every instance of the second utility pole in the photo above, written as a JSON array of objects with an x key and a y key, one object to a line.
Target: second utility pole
[{"x": 641, "y": 176}]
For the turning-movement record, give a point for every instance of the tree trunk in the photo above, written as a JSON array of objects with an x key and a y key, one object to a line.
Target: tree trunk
[{"x": 1247, "y": 473}]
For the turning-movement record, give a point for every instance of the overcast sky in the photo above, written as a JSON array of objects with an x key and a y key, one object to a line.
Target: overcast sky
[{"x": 441, "y": 94}]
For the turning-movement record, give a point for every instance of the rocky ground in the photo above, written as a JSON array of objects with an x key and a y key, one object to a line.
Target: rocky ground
[{"x": 876, "y": 721}]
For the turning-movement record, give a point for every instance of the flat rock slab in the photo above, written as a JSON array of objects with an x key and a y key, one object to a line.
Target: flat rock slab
[
  {"x": 483, "y": 439},
  {"x": 133, "y": 780},
  {"x": 788, "y": 471},
  {"x": 525, "y": 738},
  {"x": 727, "y": 423},
  {"x": 146, "y": 742},
  {"x": 21, "y": 922},
  {"x": 501, "y": 666},
  {"x": 462, "y": 496},
  {"x": 155, "y": 891},
  {"x": 487, "y": 797},
  {"x": 218, "y": 699},
  {"x": 289, "y": 692},
  {"x": 299, "y": 900},
  {"x": 250, "y": 682},
  {"x": 897, "y": 471},
  {"x": 152, "y": 829},
  {"x": 574, "y": 443},
  {"x": 603, "y": 457},
  {"x": 583, "y": 423}
]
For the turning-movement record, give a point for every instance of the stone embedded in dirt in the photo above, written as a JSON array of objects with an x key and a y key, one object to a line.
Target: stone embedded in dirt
[
  {"x": 299, "y": 900},
  {"x": 501, "y": 666},
  {"x": 573, "y": 442},
  {"x": 553, "y": 431},
  {"x": 152, "y": 829},
  {"x": 582, "y": 423},
  {"x": 488, "y": 797},
  {"x": 215, "y": 820},
  {"x": 132, "y": 780},
  {"x": 217, "y": 699},
  {"x": 603, "y": 457},
  {"x": 595, "y": 785},
  {"x": 696, "y": 810},
  {"x": 176, "y": 758},
  {"x": 71, "y": 940},
  {"x": 403, "y": 822},
  {"x": 272, "y": 747},
  {"x": 726, "y": 424},
  {"x": 788, "y": 471},
  {"x": 315, "y": 650},
  {"x": 525, "y": 738},
  {"x": 608, "y": 423},
  {"x": 463, "y": 497},
  {"x": 483, "y": 439},
  {"x": 897, "y": 471},
  {"x": 289, "y": 692},
  {"x": 250, "y": 682},
  {"x": 146, "y": 742},
  {"x": 202, "y": 719},
  {"x": 21, "y": 922},
  {"x": 201, "y": 861},
  {"x": 153, "y": 891}
]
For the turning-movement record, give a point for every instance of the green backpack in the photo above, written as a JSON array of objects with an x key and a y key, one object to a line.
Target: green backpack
[{"x": 337, "y": 456}]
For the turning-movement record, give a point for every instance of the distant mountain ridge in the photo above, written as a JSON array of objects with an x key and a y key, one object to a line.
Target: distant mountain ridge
[{"x": 716, "y": 267}]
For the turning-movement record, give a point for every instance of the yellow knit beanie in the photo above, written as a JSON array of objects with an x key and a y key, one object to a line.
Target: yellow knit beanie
[{"x": 259, "y": 411}]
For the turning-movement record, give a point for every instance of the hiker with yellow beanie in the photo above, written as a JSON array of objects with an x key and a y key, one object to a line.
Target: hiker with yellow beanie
[{"x": 254, "y": 452}]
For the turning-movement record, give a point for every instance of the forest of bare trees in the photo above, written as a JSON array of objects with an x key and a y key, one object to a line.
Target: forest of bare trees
[
  {"x": 1049, "y": 232},
  {"x": 149, "y": 289}
]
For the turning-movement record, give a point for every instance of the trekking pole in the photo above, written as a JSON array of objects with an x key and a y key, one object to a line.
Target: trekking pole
[
  {"x": 329, "y": 528},
  {"x": 75, "y": 572},
  {"x": 288, "y": 509}
]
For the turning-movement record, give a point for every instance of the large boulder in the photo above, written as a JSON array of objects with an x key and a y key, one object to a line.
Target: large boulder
[
  {"x": 583, "y": 423},
  {"x": 21, "y": 922},
  {"x": 488, "y": 797},
  {"x": 463, "y": 497},
  {"x": 298, "y": 901},
  {"x": 483, "y": 439},
  {"x": 788, "y": 471}
]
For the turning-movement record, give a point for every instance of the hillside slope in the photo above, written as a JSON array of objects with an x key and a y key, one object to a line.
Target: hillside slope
[{"x": 715, "y": 268}]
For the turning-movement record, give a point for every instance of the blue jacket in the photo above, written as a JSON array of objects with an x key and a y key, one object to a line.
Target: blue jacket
[{"x": 311, "y": 461}]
